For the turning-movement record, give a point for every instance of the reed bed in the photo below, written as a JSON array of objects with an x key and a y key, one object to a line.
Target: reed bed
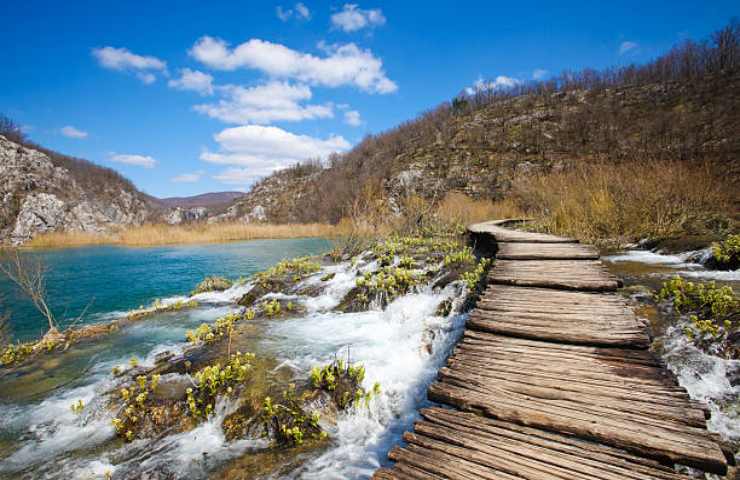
[
  {"x": 616, "y": 203},
  {"x": 163, "y": 234}
]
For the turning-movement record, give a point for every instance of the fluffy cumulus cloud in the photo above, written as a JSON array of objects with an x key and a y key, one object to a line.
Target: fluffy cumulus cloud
[
  {"x": 193, "y": 80},
  {"x": 261, "y": 150},
  {"x": 188, "y": 177},
  {"x": 122, "y": 59},
  {"x": 352, "y": 18},
  {"x": 343, "y": 64},
  {"x": 135, "y": 160},
  {"x": 300, "y": 12},
  {"x": 501, "y": 82},
  {"x": 540, "y": 74},
  {"x": 352, "y": 117},
  {"x": 627, "y": 47},
  {"x": 71, "y": 132},
  {"x": 263, "y": 104}
]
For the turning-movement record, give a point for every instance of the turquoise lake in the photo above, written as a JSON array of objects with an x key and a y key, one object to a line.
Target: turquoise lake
[{"x": 113, "y": 279}]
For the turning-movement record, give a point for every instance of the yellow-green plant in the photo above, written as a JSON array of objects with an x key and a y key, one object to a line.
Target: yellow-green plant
[
  {"x": 344, "y": 383},
  {"x": 78, "y": 407},
  {"x": 214, "y": 380},
  {"x": 135, "y": 399},
  {"x": 473, "y": 278},
  {"x": 220, "y": 329},
  {"x": 713, "y": 312},
  {"x": 15, "y": 353},
  {"x": 727, "y": 252},
  {"x": 271, "y": 307}
]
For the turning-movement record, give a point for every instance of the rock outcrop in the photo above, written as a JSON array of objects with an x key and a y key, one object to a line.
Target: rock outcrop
[{"x": 38, "y": 197}]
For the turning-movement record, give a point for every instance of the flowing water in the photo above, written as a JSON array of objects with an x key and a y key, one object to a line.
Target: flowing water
[
  {"x": 401, "y": 347},
  {"x": 710, "y": 379}
]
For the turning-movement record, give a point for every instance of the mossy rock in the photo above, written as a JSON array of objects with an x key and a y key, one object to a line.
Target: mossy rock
[
  {"x": 353, "y": 301},
  {"x": 213, "y": 284}
]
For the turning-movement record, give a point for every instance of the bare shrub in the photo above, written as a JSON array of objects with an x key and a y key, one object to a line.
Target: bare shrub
[
  {"x": 461, "y": 209},
  {"x": 29, "y": 275}
]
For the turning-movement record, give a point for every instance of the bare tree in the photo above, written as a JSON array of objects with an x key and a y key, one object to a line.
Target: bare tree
[{"x": 29, "y": 274}]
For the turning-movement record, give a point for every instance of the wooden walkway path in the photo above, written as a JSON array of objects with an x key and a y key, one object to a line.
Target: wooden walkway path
[{"x": 553, "y": 379}]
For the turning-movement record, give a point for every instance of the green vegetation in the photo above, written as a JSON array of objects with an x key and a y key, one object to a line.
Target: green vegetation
[
  {"x": 473, "y": 278},
  {"x": 159, "y": 307},
  {"x": 221, "y": 328},
  {"x": 343, "y": 383},
  {"x": 214, "y": 380},
  {"x": 210, "y": 284},
  {"x": 713, "y": 313},
  {"x": 288, "y": 422},
  {"x": 15, "y": 353},
  {"x": 296, "y": 268},
  {"x": 136, "y": 407},
  {"x": 726, "y": 254},
  {"x": 271, "y": 307}
]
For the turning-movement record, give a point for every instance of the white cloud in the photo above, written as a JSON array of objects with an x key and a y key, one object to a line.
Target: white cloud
[
  {"x": 540, "y": 74},
  {"x": 260, "y": 150},
  {"x": 501, "y": 82},
  {"x": 122, "y": 59},
  {"x": 283, "y": 14},
  {"x": 628, "y": 46},
  {"x": 300, "y": 11},
  {"x": 146, "y": 78},
  {"x": 188, "y": 177},
  {"x": 235, "y": 176},
  {"x": 352, "y": 117},
  {"x": 193, "y": 80},
  {"x": 353, "y": 18},
  {"x": 135, "y": 160},
  {"x": 343, "y": 65},
  {"x": 263, "y": 104},
  {"x": 72, "y": 132}
]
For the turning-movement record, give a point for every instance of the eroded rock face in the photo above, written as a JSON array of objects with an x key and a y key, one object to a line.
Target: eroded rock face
[
  {"x": 180, "y": 215},
  {"x": 39, "y": 197}
]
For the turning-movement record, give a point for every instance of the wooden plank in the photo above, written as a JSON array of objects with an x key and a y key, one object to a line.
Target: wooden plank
[
  {"x": 583, "y": 275},
  {"x": 501, "y": 234},
  {"x": 540, "y": 251},
  {"x": 651, "y": 440}
]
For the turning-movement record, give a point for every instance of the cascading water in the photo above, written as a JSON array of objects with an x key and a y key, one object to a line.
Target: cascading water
[{"x": 401, "y": 346}]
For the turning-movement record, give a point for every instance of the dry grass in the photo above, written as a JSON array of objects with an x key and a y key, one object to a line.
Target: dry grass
[
  {"x": 162, "y": 234},
  {"x": 607, "y": 203},
  {"x": 463, "y": 210}
]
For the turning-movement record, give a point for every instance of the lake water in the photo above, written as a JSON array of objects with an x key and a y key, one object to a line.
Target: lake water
[{"x": 111, "y": 279}]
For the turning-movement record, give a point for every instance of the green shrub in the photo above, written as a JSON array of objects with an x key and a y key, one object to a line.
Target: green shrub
[
  {"x": 713, "y": 312},
  {"x": 726, "y": 253}
]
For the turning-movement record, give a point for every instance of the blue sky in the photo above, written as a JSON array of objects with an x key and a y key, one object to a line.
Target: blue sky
[{"x": 188, "y": 97}]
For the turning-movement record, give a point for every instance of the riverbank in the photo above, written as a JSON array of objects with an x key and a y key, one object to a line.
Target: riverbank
[{"x": 163, "y": 234}]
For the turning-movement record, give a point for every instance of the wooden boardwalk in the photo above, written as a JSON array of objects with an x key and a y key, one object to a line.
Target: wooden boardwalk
[{"x": 553, "y": 379}]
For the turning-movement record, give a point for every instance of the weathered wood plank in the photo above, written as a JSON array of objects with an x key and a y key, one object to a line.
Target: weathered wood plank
[
  {"x": 502, "y": 234},
  {"x": 583, "y": 275},
  {"x": 540, "y": 251}
]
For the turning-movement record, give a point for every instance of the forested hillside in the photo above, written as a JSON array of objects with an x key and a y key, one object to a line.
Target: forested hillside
[{"x": 684, "y": 106}]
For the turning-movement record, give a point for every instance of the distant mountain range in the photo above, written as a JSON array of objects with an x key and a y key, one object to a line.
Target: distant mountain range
[{"x": 207, "y": 200}]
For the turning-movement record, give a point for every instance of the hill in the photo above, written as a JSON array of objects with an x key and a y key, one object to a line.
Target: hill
[
  {"x": 683, "y": 106},
  {"x": 44, "y": 191}
]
